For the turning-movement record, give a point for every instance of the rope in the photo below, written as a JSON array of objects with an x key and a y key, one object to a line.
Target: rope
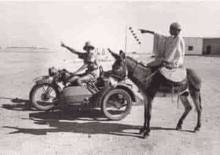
[{"x": 150, "y": 76}]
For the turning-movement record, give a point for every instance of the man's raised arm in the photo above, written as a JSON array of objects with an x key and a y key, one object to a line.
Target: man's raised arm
[
  {"x": 146, "y": 31},
  {"x": 70, "y": 49}
]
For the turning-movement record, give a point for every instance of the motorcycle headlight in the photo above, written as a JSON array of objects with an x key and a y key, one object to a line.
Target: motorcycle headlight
[{"x": 52, "y": 71}]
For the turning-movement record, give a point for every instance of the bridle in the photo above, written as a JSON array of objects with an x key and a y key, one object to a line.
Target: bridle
[{"x": 122, "y": 77}]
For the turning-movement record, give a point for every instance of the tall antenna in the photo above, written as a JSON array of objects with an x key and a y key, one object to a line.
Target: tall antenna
[{"x": 126, "y": 27}]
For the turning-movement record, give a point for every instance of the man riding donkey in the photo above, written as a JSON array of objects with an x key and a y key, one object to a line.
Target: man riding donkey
[
  {"x": 167, "y": 72},
  {"x": 169, "y": 53},
  {"x": 90, "y": 63}
]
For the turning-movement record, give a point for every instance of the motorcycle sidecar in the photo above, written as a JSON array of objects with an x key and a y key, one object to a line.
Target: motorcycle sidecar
[{"x": 75, "y": 95}]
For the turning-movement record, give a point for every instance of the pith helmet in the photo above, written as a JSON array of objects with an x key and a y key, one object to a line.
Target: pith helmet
[{"x": 88, "y": 45}]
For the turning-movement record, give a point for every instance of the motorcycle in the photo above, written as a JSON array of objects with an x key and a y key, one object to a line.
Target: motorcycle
[{"x": 50, "y": 92}]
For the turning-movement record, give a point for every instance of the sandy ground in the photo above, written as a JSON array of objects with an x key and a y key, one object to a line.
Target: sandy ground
[{"x": 25, "y": 131}]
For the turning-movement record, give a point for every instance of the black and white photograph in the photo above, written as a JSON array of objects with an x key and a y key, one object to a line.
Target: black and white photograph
[{"x": 109, "y": 77}]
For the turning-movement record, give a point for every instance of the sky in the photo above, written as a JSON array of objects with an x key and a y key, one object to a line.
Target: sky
[{"x": 104, "y": 24}]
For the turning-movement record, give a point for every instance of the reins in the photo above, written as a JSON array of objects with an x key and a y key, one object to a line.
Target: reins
[
  {"x": 152, "y": 74},
  {"x": 147, "y": 78}
]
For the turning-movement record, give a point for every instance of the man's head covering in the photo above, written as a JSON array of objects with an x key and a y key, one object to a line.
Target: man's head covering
[
  {"x": 176, "y": 26},
  {"x": 88, "y": 46}
]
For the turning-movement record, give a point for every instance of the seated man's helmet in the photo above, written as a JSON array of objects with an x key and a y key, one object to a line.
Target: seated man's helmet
[{"x": 88, "y": 46}]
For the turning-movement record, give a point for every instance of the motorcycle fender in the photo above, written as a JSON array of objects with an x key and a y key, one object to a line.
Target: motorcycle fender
[
  {"x": 101, "y": 94},
  {"x": 44, "y": 79},
  {"x": 128, "y": 89}
]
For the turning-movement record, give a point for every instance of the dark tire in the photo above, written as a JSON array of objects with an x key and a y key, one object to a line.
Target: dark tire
[
  {"x": 47, "y": 101},
  {"x": 116, "y": 104}
]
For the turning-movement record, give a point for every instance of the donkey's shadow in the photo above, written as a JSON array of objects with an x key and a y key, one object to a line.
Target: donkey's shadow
[
  {"x": 82, "y": 122},
  {"x": 89, "y": 122}
]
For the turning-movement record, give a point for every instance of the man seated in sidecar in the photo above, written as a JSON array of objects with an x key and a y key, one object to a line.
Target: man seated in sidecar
[{"x": 90, "y": 65}]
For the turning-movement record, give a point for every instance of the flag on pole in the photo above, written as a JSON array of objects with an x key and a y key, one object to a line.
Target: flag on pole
[{"x": 134, "y": 35}]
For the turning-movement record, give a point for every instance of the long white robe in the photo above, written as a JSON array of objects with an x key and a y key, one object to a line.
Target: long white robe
[{"x": 169, "y": 49}]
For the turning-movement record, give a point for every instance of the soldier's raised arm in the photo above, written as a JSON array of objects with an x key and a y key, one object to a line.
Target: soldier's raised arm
[{"x": 70, "y": 49}]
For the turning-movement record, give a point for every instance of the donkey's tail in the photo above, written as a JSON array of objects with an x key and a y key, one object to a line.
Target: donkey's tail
[{"x": 200, "y": 100}]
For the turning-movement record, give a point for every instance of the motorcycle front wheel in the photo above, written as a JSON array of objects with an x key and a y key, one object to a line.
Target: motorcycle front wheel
[
  {"x": 44, "y": 96},
  {"x": 116, "y": 104}
]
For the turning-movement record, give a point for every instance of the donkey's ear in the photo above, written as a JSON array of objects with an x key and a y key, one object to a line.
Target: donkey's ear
[
  {"x": 114, "y": 54},
  {"x": 122, "y": 54}
]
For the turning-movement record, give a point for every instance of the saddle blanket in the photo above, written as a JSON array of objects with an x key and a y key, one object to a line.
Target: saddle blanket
[{"x": 174, "y": 74}]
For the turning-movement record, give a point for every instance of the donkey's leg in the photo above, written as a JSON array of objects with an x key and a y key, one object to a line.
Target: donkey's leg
[
  {"x": 188, "y": 107},
  {"x": 148, "y": 109},
  {"x": 147, "y": 117},
  {"x": 142, "y": 130},
  {"x": 196, "y": 97},
  {"x": 148, "y": 99}
]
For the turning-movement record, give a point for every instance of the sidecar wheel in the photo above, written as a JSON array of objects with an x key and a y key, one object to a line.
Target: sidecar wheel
[
  {"x": 43, "y": 96},
  {"x": 116, "y": 104}
]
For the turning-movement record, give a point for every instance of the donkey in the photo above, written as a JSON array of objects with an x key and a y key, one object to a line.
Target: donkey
[{"x": 150, "y": 81}]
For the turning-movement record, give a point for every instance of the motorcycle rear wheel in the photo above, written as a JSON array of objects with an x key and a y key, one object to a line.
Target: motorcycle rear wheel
[{"x": 48, "y": 94}]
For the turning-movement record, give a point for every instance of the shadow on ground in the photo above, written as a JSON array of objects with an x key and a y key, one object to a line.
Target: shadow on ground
[
  {"x": 72, "y": 120},
  {"x": 70, "y": 114},
  {"x": 82, "y": 128},
  {"x": 83, "y": 122},
  {"x": 17, "y": 104}
]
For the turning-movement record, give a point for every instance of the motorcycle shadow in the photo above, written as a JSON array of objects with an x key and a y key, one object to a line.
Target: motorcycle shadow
[
  {"x": 82, "y": 123},
  {"x": 18, "y": 104},
  {"x": 87, "y": 128},
  {"x": 70, "y": 114}
]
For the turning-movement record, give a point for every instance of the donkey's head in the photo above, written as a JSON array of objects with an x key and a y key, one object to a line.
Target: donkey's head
[
  {"x": 123, "y": 64},
  {"x": 119, "y": 67}
]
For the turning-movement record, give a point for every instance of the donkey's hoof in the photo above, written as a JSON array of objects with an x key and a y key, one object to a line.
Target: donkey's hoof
[
  {"x": 141, "y": 130},
  {"x": 197, "y": 129},
  {"x": 179, "y": 128},
  {"x": 145, "y": 134}
]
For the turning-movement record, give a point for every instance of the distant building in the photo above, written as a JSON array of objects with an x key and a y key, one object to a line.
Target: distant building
[
  {"x": 211, "y": 46},
  {"x": 103, "y": 54},
  {"x": 193, "y": 45},
  {"x": 202, "y": 46}
]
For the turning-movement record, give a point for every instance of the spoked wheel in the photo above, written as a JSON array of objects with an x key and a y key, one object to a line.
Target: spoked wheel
[
  {"x": 116, "y": 104},
  {"x": 44, "y": 96}
]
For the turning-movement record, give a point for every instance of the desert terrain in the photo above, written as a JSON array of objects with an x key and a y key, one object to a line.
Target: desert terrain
[{"x": 27, "y": 131}]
